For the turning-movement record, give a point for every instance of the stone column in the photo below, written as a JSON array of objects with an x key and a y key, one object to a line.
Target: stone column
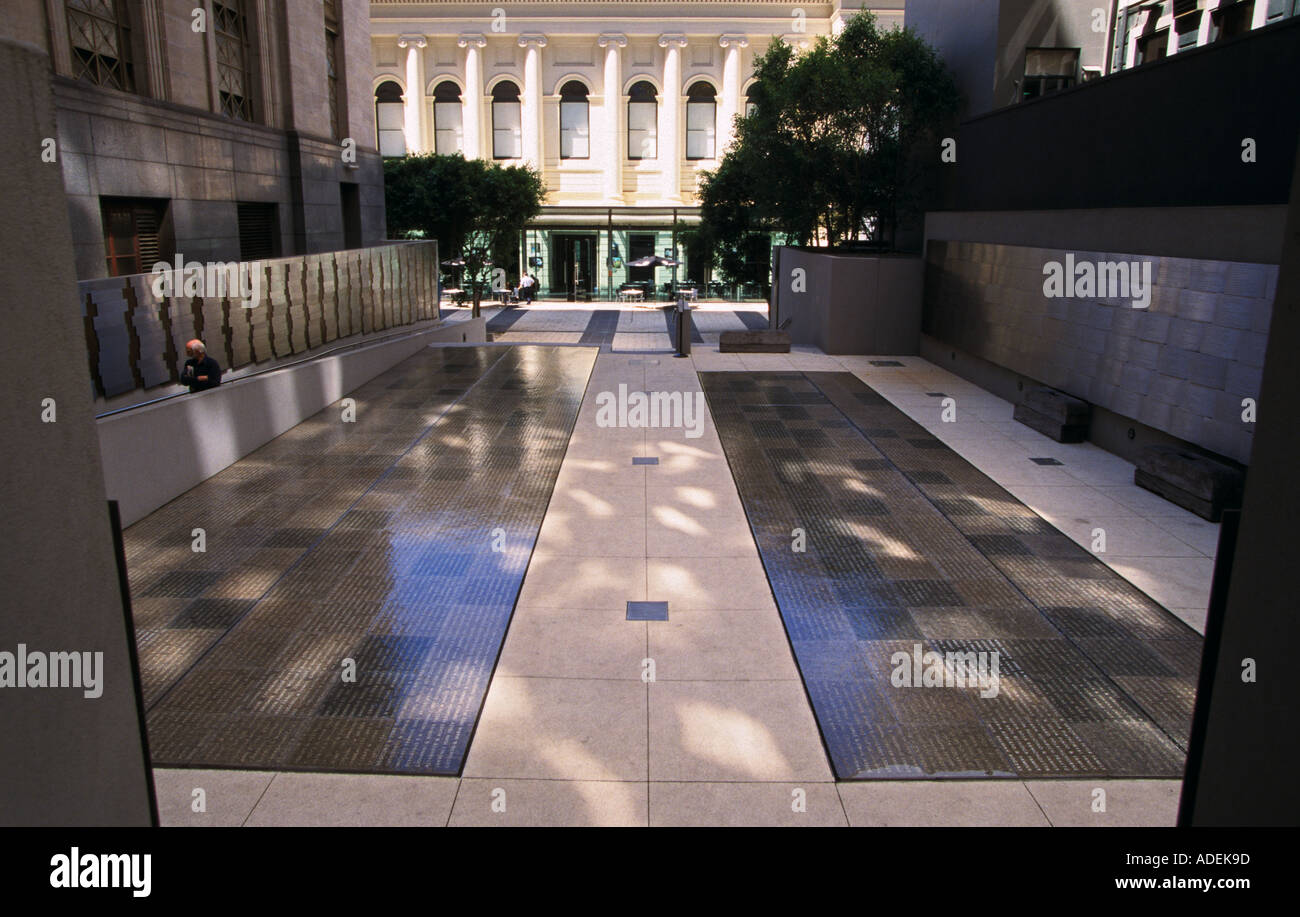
[
  {"x": 414, "y": 125},
  {"x": 471, "y": 122},
  {"x": 731, "y": 103},
  {"x": 610, "y": 141},
  {"x": 532, "y": 107},
  {"x": 670, "y": 156}
]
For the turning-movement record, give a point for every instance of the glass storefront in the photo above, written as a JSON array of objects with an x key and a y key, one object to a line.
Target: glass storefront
[{"x": 583, "y": 254}]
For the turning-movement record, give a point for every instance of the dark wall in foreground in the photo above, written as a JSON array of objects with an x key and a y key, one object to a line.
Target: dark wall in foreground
[
  {"x": 1246, "y": 756},
  {"x": 1168, "y": 134},
  {"x": 65, "y": 759}
]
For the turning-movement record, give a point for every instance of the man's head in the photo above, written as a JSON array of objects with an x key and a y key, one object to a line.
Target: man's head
[{"x": 195, "y": 349}]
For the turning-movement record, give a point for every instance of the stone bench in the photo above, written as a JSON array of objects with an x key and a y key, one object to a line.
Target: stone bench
[
  {"x": 1054, "y": 414},
  {"x": 1199, "y": 483},
  {"x": 765, "y": 341}
]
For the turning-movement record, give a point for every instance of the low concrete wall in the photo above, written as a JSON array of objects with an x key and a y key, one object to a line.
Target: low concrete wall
[
  {"x": 155, "y": 453},
  {"x": 849, "y": 303}
]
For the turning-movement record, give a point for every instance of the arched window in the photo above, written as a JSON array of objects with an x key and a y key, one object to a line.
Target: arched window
[
  {"x": 507, "y": 125},
  {"x": 447, "y": 133},
  {"x": 642, "y": 122},
  {"x": 701, "y": 121},
  {"x": 575, "y": 141},
  {"x": 750, "y": 100},
  {"x": 390, "y": 118}
]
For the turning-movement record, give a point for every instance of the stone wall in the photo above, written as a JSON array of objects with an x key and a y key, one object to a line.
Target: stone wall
[
  {"x": 114, "y": 144},
  {"x": 1181, "y": 365}
]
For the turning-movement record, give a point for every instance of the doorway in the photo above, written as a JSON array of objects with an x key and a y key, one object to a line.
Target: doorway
[{"x": 573, "y": 265}]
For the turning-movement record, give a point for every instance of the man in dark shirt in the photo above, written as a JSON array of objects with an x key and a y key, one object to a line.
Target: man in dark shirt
[{"x": 201, "y": 371}]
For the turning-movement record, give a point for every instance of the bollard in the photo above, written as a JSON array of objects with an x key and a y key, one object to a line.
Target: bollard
[{"x": 683, "y": 328}]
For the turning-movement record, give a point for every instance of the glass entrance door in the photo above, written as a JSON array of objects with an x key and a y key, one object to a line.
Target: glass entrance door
[{"x": 573, "y": 266}]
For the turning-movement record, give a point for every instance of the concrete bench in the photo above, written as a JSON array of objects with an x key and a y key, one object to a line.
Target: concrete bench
[
  {"x": 1054, "y": 414},
  {"x": 1200, "y": 483},
  {"x": 754, "y": 342}
]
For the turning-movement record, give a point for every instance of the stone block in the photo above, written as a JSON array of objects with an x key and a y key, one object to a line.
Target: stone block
[
  {"x": 1244, "y": 279},
  {"x": 1186, "y": 334},
  {"x": 1220, "y": 342},
  {"x": 1203, "y": 484},
  {"x": 1250, "y": 348},
  {"x": 1207, "y": 370},
  {"x": 1234, "y": 312},
  {"x": 1241, "y": 379},
  {"x": 1153, "y": 326},
  {"x": 1175, "y": 362},
  {"x": 1196, "y": 305},
  {"x": 754, "y": 342}
]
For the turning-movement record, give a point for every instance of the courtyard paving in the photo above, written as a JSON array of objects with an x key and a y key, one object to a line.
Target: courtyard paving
[{"x": 590, "y": 718}]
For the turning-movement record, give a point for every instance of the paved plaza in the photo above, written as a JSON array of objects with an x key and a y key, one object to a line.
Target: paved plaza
[{"x": 472, "y": 543}]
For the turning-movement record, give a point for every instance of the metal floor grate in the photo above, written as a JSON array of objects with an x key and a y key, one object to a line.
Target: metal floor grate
[
  {"x": 909, "y": 549},
  {"x": 358, "y": 577}
]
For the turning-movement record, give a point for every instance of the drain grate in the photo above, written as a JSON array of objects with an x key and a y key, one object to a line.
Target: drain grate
[{"x": 647, "y": 611}]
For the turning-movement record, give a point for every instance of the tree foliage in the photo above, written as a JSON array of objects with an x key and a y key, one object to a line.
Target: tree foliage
[
  {"x": 838, "y": 143},
  {"x": 474, "y": 208}
]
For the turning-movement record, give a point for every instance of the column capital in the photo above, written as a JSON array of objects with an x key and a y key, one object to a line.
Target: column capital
[
  {"x": 740, "y": 41},
  {"x": 532, "y": 38},
  {"x": 672, "y": 40},
  {"x": 612, "y": 38},
  {"x": 797, "y": 40},
  {"x": 467, "y": 39},
  {"x": 418, "y": 41}
]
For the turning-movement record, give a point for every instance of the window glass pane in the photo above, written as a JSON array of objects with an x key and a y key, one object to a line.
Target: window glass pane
[
  {"x": 392, "y": 143},
  {"x": 642, "y": 124},
  {"x": 574, "y": 139},
  {"x": 507, "y": 132},
  {"x": 1051, "y": 62},
  {"x": 447, "y": 127},
  {"x": 700, "y": 118},
  {"x": 390, "y": 116}
]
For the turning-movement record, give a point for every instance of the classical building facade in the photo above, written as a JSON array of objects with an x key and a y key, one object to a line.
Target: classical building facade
[
  {"x": 209, "y": 129},
  {"x": 621, "y": 105},
  {"x": 1148, "y": 30}
]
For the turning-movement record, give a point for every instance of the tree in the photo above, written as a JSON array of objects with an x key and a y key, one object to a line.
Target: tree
[
  {"x": 474, "y": 208},
  {"x": 838, "y": 143}
]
